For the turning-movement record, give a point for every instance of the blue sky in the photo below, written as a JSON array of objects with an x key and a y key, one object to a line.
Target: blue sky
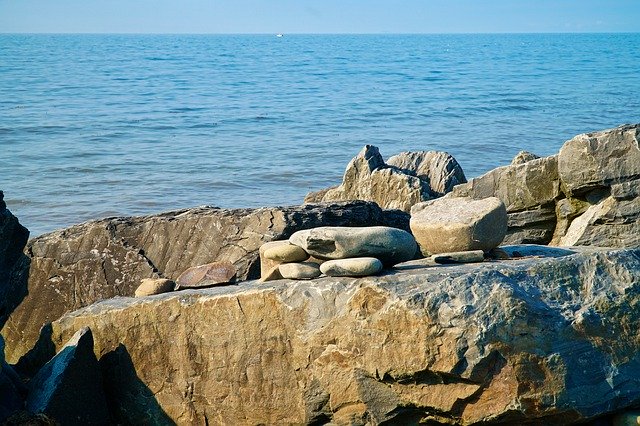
[{"x": 319, "y": 16}]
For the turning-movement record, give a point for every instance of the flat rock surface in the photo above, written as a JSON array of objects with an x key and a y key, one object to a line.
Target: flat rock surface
[
  {"x": 97, "y": 260},
  {"x": 551, "y": 336}
]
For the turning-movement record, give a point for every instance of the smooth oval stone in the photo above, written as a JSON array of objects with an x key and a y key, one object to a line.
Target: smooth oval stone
[
  {"x": 151, "y": 286},
  {"x": 389, "y": 245},
  {"x": 299, "y": 271},
  {"x": 353, "y": 267},
  {"x": 286, "y": 253},
  {"x": 207, "y": 275},
  {"x": 448, "y": 225}
]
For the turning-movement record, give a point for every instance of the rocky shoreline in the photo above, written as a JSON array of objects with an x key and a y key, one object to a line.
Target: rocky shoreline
[{"x": 523, "y": 334}]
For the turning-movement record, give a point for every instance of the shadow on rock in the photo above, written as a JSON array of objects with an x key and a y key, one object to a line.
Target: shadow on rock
[
  {"x": 44, "y": 349},
  {"x": 130, "y": 400}
]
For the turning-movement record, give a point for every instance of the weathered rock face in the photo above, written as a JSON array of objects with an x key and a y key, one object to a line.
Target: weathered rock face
[
  {"x": 528, "y": 190},
  {"x": 69, "y": 387},
  {"x": 440, "y": 169},
  {"x": 406, "y": 179},
  {"x": 600, "y": 159},
  {"x": 546, "y": 339},
  {"x": 98, "y": 260},
  {"x": 13, "y": 263}
]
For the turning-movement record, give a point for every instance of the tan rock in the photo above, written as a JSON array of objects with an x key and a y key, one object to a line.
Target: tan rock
[
  {"x": 514, "y": 342},
  {"x": 269, "y": 267},
  {"x": 367, "y": 177},
  {"x": 598, "y": 159},
  {"x": 458, "y": 224},
  {"x": 390, "y": 245},
  {"x": 299, "y": 271},
  {"x": 285, "y": 253},
  {"x": 216, "y": 273},
  {"x": 151, "y": 286},
  {"x": 353, "y": 267},
  {"x": 523, "y": 157}
]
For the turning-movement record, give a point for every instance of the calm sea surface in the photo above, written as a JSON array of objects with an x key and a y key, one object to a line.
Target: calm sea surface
[{"x": 102, "y": 125}]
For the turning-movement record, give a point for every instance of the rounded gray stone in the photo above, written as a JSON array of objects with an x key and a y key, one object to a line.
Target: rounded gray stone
[
  {"x": 389, "y": 245},
  {"x": 299, "y": 271},
  {"x": 353, "y": 267}
]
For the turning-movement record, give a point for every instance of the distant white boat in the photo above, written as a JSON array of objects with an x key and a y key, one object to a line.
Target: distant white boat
[{"x": 279, "y": 35}]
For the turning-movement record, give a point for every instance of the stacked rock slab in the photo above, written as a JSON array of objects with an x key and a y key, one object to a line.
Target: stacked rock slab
[
  {"x": 97, "y": 260},
  {"x": 545, "y": 339},
  {"x": 406, "y": 179},
  {"x": 458, "y": 224},
  {"x": 585, "y": 195}
]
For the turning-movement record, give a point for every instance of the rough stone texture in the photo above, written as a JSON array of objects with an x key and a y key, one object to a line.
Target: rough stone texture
[
  {"x": 354, "y": 267},
  {"x": 549, "y": 340},
  {"x": 458, "y": 224},
  {"x": 367, "y": 177},
  {"x": 390, "y": 245},
  {"x": 13, "y": 263},
  {"x": 207, "y": 275},
  {"x": 522, "y": 157},
  {"x": 69, "y": 387},
  {"x": 101, "y": 259},
  {"x": 528, "y": 190},
  {"x": 299, "y": 271},
  {"x": 598, "y": 159},
  {"x": 440, "y": 169},
  {"x": 151, "y": 286},
  {"x": 610, "y": 223}
]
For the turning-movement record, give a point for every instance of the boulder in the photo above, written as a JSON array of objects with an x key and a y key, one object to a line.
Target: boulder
[
  {"x": 299, "y": 271},
  {"x": 354, "y": 267},
  {"x": 367, "y": 177},
  {"x": 458, "y": 224},
  {"x": 211, "y": 274},
  {"x": 390, "y": 245},
  {"x": 14, "y": 265},
  {"x": 151, "y": 286},
  {"x": 600, "y": 159},
  {"x": 439, "y": 169},
  {"x": 550, "y": 337},
  {"x": 69, "y": 387},
  {"x": 97, "y": 260}
]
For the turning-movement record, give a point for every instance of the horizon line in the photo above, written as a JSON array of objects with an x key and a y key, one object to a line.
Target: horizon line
[{"x": 314, "y": 33}]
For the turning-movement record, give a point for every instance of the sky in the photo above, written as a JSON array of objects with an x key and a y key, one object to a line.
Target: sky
[{"x": 318, "y": 16}]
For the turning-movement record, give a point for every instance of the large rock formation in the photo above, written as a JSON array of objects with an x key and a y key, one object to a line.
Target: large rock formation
[
  {"x": 101, "y": 259},
  {"x": 406, "y": 179},
  {"x": 585, "y": 195},
  {"x": 551, "y": 338}
]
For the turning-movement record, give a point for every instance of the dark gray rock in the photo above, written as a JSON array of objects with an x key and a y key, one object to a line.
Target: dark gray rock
[
  {"x": 69, "y": 388},
  {"x": 13, "y": 263}
]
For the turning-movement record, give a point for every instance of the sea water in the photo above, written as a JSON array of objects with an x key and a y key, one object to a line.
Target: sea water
[{"x": 102, "y": 125}]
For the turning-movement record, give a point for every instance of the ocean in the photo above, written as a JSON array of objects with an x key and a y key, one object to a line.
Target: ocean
[{"x": 106, "y": 125}]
